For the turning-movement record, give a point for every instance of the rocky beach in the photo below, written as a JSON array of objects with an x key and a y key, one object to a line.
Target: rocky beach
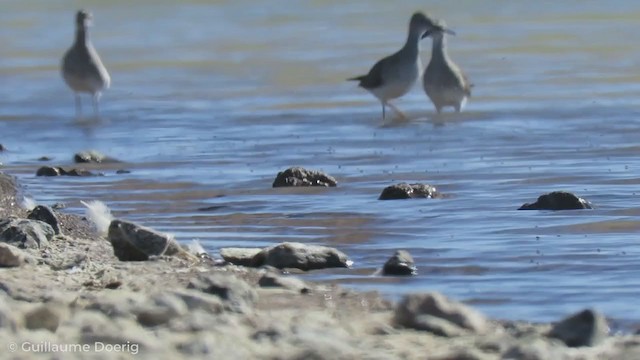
[{"x": 65, "y": 294}]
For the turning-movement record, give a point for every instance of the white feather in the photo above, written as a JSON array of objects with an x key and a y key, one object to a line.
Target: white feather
[
  {"x": 29, "y": 203},
  {"x": 99, "y": 214}
]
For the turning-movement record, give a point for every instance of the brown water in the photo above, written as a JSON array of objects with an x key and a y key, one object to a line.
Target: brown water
[{"x": 210, "y": 100}]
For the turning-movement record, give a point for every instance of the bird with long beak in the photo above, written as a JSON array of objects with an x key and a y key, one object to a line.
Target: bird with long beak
[
  {"x": 394, "y": 75},
  {"x": 443, "y": 81},
  {"x": 82, "y": 68}
]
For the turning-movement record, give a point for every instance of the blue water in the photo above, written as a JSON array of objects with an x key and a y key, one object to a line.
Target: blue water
[{"x": 210, "y": 100}]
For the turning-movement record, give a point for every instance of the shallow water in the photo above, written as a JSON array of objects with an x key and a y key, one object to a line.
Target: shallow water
[{"x": 209, "y": 100}]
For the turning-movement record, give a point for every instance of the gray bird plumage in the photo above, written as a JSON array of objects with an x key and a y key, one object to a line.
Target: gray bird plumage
[
  {"x": 82, "y": 68},
  {"x": 443, "y": 81},
  {"x": 394, "y": 75}
]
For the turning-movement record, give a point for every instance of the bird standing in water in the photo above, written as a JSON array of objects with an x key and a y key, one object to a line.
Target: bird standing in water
[
  {"x": 82, "y": 68},
  {"x": 394, "y": 75},
  {"x": 443, "y": 81}
]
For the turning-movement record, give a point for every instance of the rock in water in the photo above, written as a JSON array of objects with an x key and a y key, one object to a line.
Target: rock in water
[
  {"x": 401, "y": 263},
  {"x": 558, "y": 200},
  {"x": 93, "y": 156},
  {"x": 240, "y": 256},
  {"x": 297, "y": 176},
  {"x": 586, "y": 328},
  {"x": 301, "y": 256},
  {"x": 25, "y": 233},
  {"x": 406, "y": 191},
  {"x": 45, "y": 214},
  {"x": 426, "y": 312},
  {"x": 132, "y": 242}
]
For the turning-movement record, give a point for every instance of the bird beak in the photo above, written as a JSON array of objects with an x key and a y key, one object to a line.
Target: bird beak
[{"x": 438, "y": 28}]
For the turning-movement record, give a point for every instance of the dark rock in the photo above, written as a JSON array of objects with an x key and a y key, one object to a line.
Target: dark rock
[
  {"x": 132, "y": 242},
  {"x": 2, "y": 148},
  {"x": 50, "y": 171},
  {"x": 297, "y": 176},
  {"x": 11, "y": 256},
  {"x": 25, "y": 233},
  {"x": 301, "y": 256},
  {"x": 58, "y": 171},
  {"x": 123, "y": 171},
  {"x": 586, "y": 328},
  {"x": 241, "y": 256},
  {"x": 558, "y": 200},
  {"x": 44, "y": 158},
  {"x": 271, "y": 279},
  {"x": 401, "y": 263},
  {"x": 93, "y": 156},
  {"x": 45, "y": 214},
  {"x": 236, "y": 293},
  {"x": 417, "y": 311},
  {"x": 408, "y": 191}
]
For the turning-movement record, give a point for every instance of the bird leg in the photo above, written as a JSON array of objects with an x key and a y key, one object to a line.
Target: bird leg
[
  {"x": 395, "y": 108},
  {"x": 78, "y": 106},
  {"x": 96, "y": 99}
]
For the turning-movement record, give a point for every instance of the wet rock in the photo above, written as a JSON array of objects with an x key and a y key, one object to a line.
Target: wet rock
[
  {"x": 44, "y": 158},
  {"x": 301, "y": 256},
  {"x": 2, "y": 148},
  {"x": 416, "y": 311},
  {"x": 586, "y": 328},
  {"x": 271, "y": 279},
  {"x": 58, "y": 171},
  {"x": 401, "y": 263},
  {"x": 45, "y": 214},
  {"x": 123, "y": 171},
  {"x": 132, "y": 242},
  {"x": 11, "y": 256},
  {"x": 93, "y": 156},
  {"x": 558, "y": 200},
  {"x": 25, "y": 233},
  {"x": 408, "y": 191},
  {"x": 46, "y": 316},
  {"x": 297, "y": 176},
  {"x": 236, "y": 293},
  {"x": 240, "y": 256}
]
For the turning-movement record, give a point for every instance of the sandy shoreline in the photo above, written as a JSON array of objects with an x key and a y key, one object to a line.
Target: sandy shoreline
[{"x": 74, "y": 299}]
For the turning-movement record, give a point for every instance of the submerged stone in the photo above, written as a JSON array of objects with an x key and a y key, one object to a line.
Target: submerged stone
[
  {"x": 298, "y": 176},
  {"x": 558, "y": 200},
  {"x": 409, "y": 191}
]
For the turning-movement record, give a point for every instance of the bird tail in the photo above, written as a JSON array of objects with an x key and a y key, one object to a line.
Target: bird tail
[{"x": 357, "y": 78}]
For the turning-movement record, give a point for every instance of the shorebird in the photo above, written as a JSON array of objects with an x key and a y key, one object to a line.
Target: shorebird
[
  {"x": 395, "y": 75},
  {"x": 443, "y": 81},
  {"x": 82, "y": 68}
]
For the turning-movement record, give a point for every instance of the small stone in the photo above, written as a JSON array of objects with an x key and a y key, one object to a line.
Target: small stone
[
  {"x": 93, "y": 156},
  {"x": 50, "y": 171},
  {"x": 287, "y": 282},
  {"x": 11, "y": 256},
  {"x": 586, "y": 328},
  {"x": 240, "y": 256},
  {"x": 44, "y": 158},
  {"x": 408, "y": 191},
  {"x": 297, "y": 176},
  {"x": 123, "y": 171},
  {"x": 401, "y": 263},
  {"x": 236, "y": 293},
  {"x": 132, "y": 242},
  {"x": 45, "y": 316},
  {"x": 411, "y": 310},
  {"x": 45, "y": 214},
  {"x": 301, "y": 256},
  {"x": 558, "y": 200},
  {"x": 26, "y": 233}
]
